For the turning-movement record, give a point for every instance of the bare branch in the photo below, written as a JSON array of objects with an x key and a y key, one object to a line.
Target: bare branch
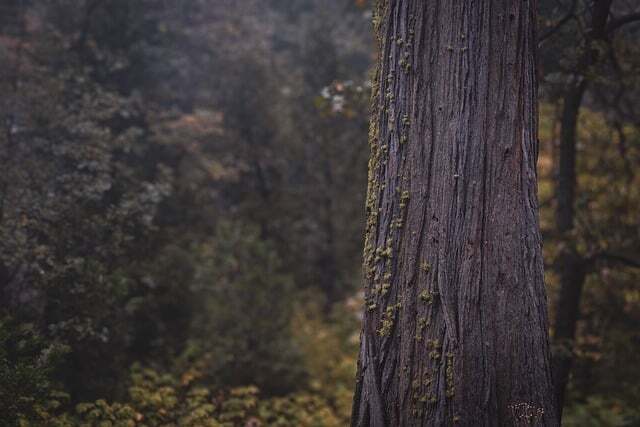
[
  {"x": 623, "y": 259},
  {"x": 623, "y": 20},
  {"x": 570, "y": 14}
]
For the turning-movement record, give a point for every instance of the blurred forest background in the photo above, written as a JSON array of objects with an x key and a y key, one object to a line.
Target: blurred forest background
[{"x": 182, "y": 199}]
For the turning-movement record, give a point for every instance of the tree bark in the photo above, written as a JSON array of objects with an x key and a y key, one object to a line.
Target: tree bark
[{"x": 455, "y": 328}]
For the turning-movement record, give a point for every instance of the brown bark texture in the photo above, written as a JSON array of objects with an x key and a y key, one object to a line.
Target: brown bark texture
[{"x": 455, "y": 327}]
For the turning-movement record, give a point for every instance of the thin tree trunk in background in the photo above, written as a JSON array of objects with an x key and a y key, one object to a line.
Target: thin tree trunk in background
[
  {"x": 565, "y": 190},
  {"x": 572, "y": 271},
  {"x": 570, "y": 265},
  {"x": 455, "y": 328}
]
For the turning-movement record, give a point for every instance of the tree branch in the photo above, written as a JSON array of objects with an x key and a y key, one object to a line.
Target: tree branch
[
  {"x": 617, "y": 258},
  {"x": 623, "y": 20},
  {"x": 570, "y": 14}
]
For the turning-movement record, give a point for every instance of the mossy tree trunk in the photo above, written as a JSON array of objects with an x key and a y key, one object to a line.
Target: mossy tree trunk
[{"x": 455, "y": 327}]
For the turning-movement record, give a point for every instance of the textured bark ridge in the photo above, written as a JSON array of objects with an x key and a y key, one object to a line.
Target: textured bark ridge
[{"x": 455, "y": 325}]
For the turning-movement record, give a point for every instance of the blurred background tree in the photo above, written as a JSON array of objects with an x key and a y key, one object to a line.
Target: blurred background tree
[{"x": 182, "y": 199}]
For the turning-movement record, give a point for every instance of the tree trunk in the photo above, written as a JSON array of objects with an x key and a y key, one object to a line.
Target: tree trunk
[
  {"x": 570, "y": 265},
  {"x": 565, "y": 191},
  {"x": 455, "y": 326},
  {"x": 572, "y": 270}
]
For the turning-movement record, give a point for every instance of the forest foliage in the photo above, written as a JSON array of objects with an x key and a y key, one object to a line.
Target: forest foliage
[{"x": 182, "y": 202}]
